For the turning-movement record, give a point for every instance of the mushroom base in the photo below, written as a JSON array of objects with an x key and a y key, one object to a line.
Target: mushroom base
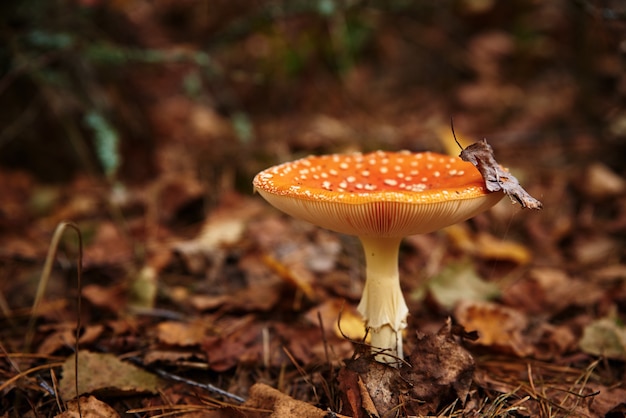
[
  {"x": 391, "y": 340},
  {"x": 382, "y": 305}
]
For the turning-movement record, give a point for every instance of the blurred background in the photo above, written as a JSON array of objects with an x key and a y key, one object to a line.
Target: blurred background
[{"x": 132, "y": 89}]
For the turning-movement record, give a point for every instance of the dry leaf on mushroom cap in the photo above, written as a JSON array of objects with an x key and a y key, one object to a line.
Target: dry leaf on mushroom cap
[{"x": 480, "y": 154}]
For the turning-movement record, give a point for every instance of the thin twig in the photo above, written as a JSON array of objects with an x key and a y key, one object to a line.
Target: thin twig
[
  {"x": 18, "y": 376},
  {"x": 206, "y": 386},
  {"x": 454, "y": 134},
  {"x": 43, "y": 281},
  {"x": 43, "y": 284}
]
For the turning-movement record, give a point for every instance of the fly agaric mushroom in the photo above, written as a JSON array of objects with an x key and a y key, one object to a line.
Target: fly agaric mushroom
[{"x": 380, "y": 197}]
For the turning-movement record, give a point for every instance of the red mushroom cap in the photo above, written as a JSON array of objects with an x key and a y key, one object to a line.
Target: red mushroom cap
[{"x": 386, "y": 194}]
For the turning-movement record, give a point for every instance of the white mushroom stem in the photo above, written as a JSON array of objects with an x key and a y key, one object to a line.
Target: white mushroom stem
[{"x": 382, "y": 304}]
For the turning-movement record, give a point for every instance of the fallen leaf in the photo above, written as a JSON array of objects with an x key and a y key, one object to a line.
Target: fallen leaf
[
  {"x": 441, "y": 370},
  {"x": 480, "y": 154},
  {"x": 182, "y": 334},
  {"x": 295, "y": 276},
  {"x": 489, "y": 247},
  {"x": 486, "y": 246},
  {"x": 90, "y": 407},
  {"x": 498, "y": 327},
  {"x": 265, "y": 398},
  {"x": 104, "y": 372},
  {"x": 458, "y": 282},
  {"x": 67, "y": 338},
  {"x": 608, "y": 402},
  {"x": 357, "y": 400},
  {"x": 384, "y": 386},
  {"x": 349, "y": 392},
  {"x": 238, "y": 342},
  {"x": 605, "y": 337},
  {"x": 339, "y": 318}
]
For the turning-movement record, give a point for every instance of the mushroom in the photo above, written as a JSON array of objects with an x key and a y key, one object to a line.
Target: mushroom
[{"x": 380, "y": 197}]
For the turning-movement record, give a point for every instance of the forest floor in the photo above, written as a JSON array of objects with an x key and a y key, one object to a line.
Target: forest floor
[{"x": 196, "y": 298}]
